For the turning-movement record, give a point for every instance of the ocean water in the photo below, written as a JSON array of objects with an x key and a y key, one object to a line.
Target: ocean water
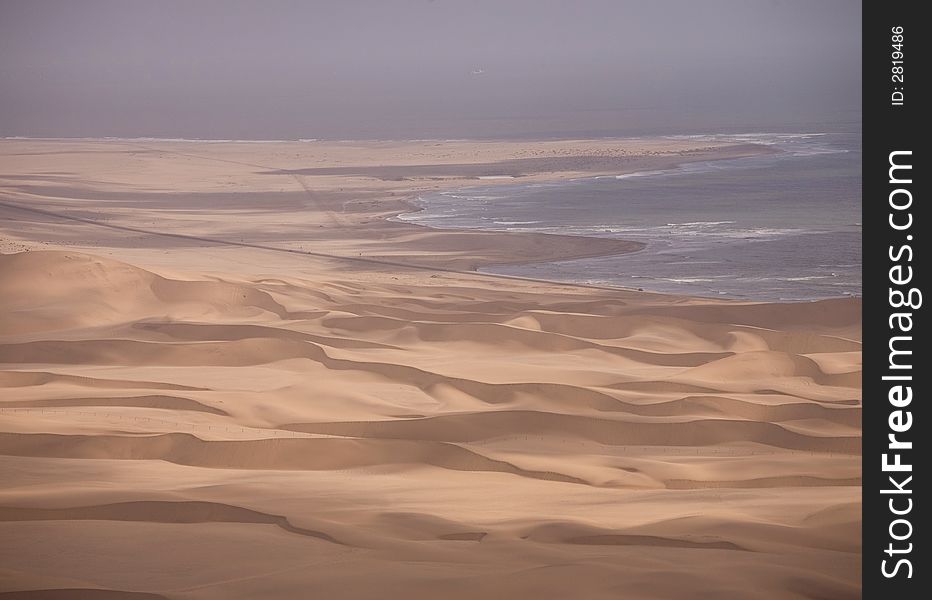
[{"x": 783, "y": 226}]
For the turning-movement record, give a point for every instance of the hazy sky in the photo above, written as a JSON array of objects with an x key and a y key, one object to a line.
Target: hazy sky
[{"x": 409, "y": 68}]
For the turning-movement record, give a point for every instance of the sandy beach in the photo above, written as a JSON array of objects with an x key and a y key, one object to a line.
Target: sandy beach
[{"x": 226, "y": 373}]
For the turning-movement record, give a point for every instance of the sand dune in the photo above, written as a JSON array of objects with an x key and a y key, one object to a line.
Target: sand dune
[
  {"x": 152, "y": 401},
  {"x": 11, "y": 378},
  {"x": 159, "y": 512},
  {"x": 621, "y": 431},
  {"x": 79, "y": 594},
  {"x": 184, "y": 419}
]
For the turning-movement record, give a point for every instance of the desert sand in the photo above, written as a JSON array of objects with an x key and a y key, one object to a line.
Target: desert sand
[{"x": 224, "y": 373}]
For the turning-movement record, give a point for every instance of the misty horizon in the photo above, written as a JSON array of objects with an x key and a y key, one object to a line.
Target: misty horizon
[{"x": 424, "y": 69}]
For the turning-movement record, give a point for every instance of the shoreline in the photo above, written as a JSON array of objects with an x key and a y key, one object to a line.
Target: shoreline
[
  {"x": 360, "y": 224},
  {"x": 348, "y": 209},
  {"x": 413, "y": 207},
  {"x": 365, "y": 224},
  {"x": 622, "y": 246}
]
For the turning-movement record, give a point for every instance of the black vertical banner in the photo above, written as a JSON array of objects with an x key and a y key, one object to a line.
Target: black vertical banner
[{"x": 897, "y": 438}]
